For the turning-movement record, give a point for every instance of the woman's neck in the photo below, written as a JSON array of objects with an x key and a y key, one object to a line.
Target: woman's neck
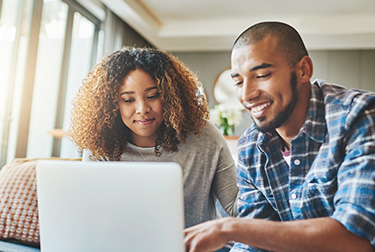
[{"x": 143, "y": 141}]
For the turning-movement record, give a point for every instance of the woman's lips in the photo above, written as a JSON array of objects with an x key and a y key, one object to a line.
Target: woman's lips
[{"x": 145, "y": 121}]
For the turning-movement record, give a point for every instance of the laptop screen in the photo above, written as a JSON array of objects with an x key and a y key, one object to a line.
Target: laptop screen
[{"x": 110, "y": 206}]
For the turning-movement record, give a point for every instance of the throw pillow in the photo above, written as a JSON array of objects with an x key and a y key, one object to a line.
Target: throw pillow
[{"x": 19, "y": 221}]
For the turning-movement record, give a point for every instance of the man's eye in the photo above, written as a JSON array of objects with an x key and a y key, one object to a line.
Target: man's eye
[
  {"x": 263, "y": 76},
  {"x": 237, "y": 83}
]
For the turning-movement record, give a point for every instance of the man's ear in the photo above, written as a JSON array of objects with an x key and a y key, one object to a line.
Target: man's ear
[{"x": 304, "y": 69}]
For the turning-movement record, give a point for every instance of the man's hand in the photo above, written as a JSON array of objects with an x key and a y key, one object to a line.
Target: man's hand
[
  {"x": 206, "y": 237},
  {"x": 318, "y": 234}
]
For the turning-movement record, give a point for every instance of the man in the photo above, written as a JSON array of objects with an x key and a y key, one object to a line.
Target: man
[{"x": 306, "y": 169}]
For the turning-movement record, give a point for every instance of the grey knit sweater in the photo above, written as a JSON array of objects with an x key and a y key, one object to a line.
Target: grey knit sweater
[{"x": 209, "y": 173}]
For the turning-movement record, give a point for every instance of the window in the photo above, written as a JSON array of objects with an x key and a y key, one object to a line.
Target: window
[
  {"x": 43, "y": 63},
  {"x": 47, "y": 78},
  {"x": 14, "y": 35},
  {"x": 80, "y": 64}
]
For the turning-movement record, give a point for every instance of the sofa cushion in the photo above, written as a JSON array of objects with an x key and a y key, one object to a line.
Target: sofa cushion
[
  {"x": 19, "y": 222},
  {"x": 18, "y": 203}
]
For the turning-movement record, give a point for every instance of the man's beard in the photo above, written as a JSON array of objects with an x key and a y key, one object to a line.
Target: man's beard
[{"x": 283, "y": 116}]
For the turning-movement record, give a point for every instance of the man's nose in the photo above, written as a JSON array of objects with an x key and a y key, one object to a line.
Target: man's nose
[{"x": 249, "y": 91}]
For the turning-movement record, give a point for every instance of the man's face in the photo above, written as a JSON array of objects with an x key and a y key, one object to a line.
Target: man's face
[{"x": 266, "y": 84}]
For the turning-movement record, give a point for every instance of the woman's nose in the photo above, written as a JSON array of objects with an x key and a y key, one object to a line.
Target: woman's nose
[{"x": 143, "y": 107}]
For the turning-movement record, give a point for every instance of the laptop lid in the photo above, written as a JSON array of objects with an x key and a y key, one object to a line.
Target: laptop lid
[{"x": 110, "y": 206}]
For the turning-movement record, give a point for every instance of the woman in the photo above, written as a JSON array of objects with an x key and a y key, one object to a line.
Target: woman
[{"x": 142, "y": 104}]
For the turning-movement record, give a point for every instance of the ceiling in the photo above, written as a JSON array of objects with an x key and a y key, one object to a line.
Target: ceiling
[{"x": 212, "y": 25}]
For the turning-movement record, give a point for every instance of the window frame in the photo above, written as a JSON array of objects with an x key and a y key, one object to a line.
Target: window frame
[{"x": 28, "y": 81}]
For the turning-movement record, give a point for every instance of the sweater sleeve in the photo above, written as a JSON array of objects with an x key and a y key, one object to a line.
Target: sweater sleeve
[{"x": 224, "y": 183}]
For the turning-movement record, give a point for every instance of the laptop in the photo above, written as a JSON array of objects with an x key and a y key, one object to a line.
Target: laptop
[{"x": 110, "y": 206}]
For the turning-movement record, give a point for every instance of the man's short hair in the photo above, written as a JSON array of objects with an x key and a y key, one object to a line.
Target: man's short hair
[{"x": 289, "y": 40}]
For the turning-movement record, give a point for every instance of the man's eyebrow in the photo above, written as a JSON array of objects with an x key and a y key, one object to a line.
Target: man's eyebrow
[{"x": 261, "y": 66}]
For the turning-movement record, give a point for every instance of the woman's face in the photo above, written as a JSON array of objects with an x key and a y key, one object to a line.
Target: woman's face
[{"x": 141, "y": 107}]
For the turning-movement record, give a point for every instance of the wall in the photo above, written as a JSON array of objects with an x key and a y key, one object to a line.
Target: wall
[
  {"x": 355, "y": 69},
  {"x": 352, "y": 68}
]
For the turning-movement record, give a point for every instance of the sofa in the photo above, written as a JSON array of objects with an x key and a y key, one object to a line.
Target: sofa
[
  {"x": 19, "y": 221},
  {"x": 13, "y": 247}
]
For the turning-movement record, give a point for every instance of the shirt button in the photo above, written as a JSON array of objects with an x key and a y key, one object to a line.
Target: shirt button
[
  {"x": 297, "y": 162},
  {"x": 293, "y": 196}
]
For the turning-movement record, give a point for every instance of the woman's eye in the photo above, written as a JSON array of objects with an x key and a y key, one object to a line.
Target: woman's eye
[
  {"x": 153, "y": 96},
  {"x": 127, "y": 100}
]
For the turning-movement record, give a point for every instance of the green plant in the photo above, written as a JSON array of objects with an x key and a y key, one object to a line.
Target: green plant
[{"x": 226, "y": 118}]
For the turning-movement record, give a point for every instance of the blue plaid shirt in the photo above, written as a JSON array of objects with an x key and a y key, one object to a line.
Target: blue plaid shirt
[{"x": 332, "y": 168}]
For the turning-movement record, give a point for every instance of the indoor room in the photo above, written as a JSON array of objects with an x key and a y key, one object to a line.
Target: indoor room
[{"x": 48, "y": 48}]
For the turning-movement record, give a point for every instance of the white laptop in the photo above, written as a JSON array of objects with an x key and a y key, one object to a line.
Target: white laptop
[{"x": 110, "y": 206}]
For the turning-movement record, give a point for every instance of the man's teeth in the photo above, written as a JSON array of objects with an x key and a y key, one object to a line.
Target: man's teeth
[
  {"x": 247, "y": 105},
  {"x": 260, "y": 107}
]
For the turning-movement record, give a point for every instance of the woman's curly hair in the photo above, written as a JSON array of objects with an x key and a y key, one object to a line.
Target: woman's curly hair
[{"x": 96, "y": 121}]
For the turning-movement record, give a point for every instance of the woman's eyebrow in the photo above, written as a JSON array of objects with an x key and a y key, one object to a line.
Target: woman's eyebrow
[
  {"x": 132, "y": 92},
  {"x": 151, "y": 88},
  {"x": 127, "y": 92}
]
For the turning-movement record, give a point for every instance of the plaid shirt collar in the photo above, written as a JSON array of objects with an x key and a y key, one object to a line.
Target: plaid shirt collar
[{"x": 314, "y": 126}]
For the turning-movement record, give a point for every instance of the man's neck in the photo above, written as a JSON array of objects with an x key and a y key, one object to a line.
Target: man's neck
[{"x": 293, "y": 125}]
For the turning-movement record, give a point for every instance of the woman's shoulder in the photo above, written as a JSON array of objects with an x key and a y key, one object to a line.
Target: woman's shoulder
[
  {"x": 209, "y": 133},
  {"x": 208, "y": 128}
]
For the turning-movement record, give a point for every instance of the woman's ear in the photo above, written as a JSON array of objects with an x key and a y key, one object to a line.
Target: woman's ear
[{"x": 304, "y": 69}]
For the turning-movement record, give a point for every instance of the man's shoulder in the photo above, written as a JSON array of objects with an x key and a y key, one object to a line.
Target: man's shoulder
[
  {"x": 334, "y": 94},
  {"x": 343, "y": 104}
]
